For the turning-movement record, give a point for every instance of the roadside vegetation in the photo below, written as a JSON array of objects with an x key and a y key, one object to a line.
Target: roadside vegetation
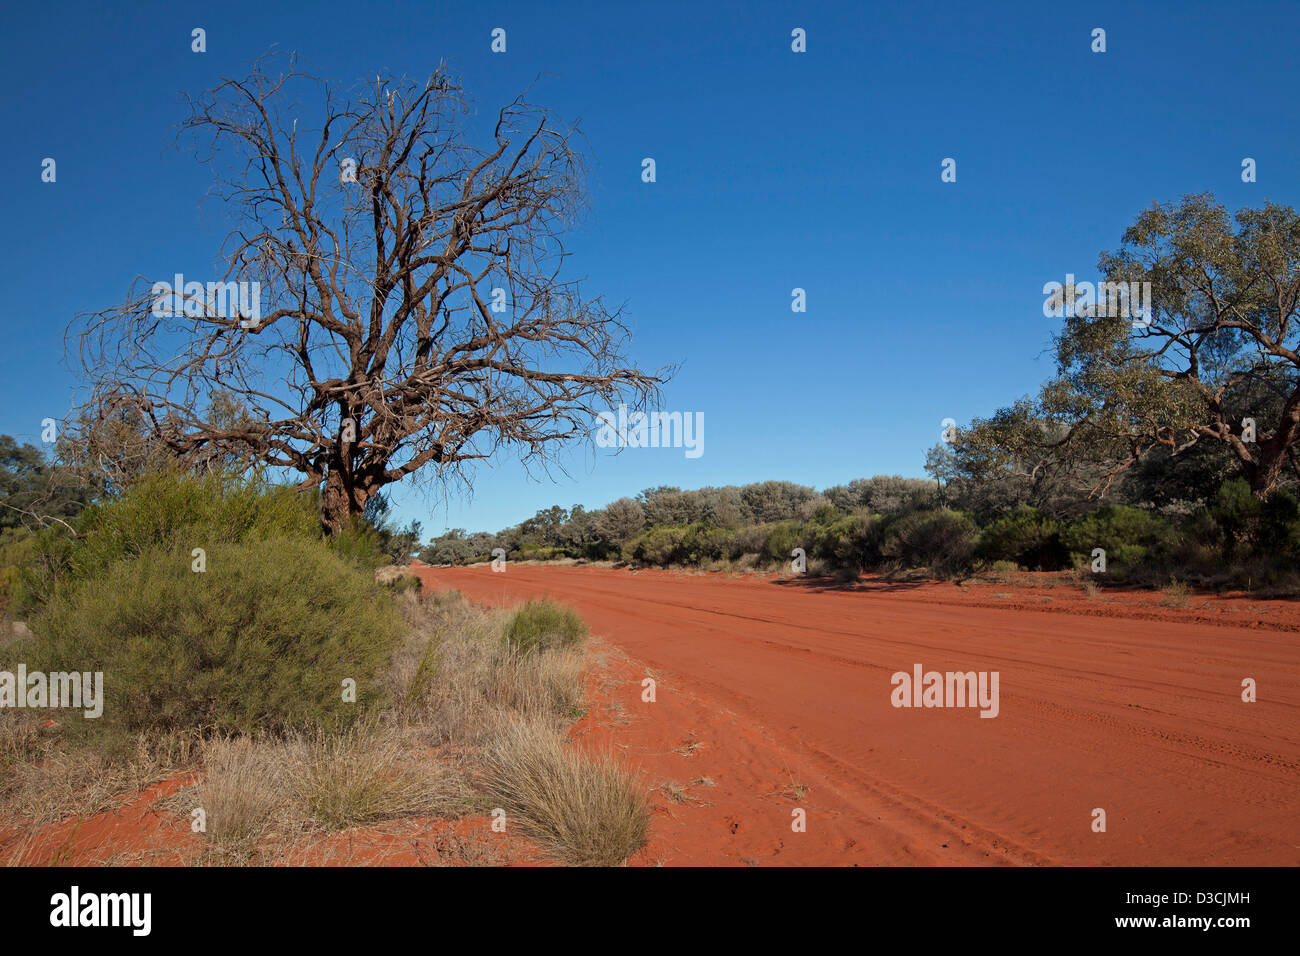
[
  {"x": 306, "y": 693},
  {"x": 1224, "y": 538}
]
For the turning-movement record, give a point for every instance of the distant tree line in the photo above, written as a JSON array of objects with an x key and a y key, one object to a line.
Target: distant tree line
[{"x": 1190, "y": 519}]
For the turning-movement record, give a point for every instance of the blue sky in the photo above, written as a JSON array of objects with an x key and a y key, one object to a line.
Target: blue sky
[{"x": 775, "y": 170}]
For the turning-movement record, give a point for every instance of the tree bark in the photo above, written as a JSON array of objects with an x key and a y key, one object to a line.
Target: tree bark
[
  {"x": 1264, "y": 477},
  {"x": 344, "y": 498}
]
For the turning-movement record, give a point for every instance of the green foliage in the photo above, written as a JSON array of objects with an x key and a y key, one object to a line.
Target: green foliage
[
  {"x": 1026, "y": 537},
  {"x": 541, "y": 625},
  {"x": 1248, "y": 526},
  {"x": 850, "y": 542},
  {"x": 18, "y": 553},
  {"x": 32, "y": 490},
  {"x": 1279, "y": 525},
  {"x": 260, "y": 641},
  {"x": 165, "y": 510},
  {"x": 1128, "y": 535},
  {"x": 1235, "y": 509},
  {"x": 360, "y": 544},
  {"x": 941, "y": 540},
  {"x": 660, "y": 547},
  {"x": 690, "y": 545},
  {"x": 782, "y": 538}
]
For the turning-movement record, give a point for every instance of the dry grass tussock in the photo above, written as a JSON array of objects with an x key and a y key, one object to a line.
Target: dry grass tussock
[
  {"x": 260, "y": 796},
  {"x": 457, "y": 676},
  {"x": 45, "y": 778},
  {"x": 585, "y": 810}
]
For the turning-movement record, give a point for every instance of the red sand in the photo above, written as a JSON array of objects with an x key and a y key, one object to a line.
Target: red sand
[{"x": 779, "y": 693}]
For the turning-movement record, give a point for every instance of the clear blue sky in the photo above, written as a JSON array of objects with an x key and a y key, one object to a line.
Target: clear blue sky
[{"x": 775, "y": 170}]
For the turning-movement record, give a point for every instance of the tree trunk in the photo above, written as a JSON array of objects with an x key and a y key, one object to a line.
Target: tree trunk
[
  {"x": 344, "y": 499},
  {"x": 1263, "y": 479}
]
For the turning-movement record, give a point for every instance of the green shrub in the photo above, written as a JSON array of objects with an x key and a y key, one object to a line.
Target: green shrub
[
  {"x": 531, "y": 551},
  {"x": 41, "y": 563},
  {"x": 17, "y": 548},
  {"x": 659, "y": 547},
  {"x": 165, "y": 510},
  {"x": 1128, "y": 535},
  {"x": 750, "y": 539},
  {"x": 1026, "y": 537},
  {"x": 1200, "y": 546},
  {"x": 261, "y": 640},
  {"x": 1237, "y": 512},
  {"x": 172, "y": 507},
  {"x": 1279, "y": 526},
  {"x": 782, "y": 538},
  {"x": 862, "y": 548},
  {"x": 845, "y": 542},
  {"x": 542, "y": 625},
  {"x": 826, "y": 515},
  {"x": 712, "y": 543},
  {"x": 361, "y": 545},
  {"x": 941, "y": 540}
]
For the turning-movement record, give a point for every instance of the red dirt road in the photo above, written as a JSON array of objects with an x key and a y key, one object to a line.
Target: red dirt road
[{"x": 774, "y": 696}]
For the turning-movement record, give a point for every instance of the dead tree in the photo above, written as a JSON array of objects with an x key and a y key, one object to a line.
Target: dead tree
[{"x": 413, "y": 317}]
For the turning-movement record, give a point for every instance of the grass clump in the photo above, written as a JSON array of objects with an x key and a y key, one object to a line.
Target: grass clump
[
  {"x": 366, "y": 775},
  {"x": 241, "y": 796},
  {"x": 544, "y": 625},
  {"x": 457, "y": 675},
  {"x": 585, "y": 810},
  {"x": 1176, "y": 594}
]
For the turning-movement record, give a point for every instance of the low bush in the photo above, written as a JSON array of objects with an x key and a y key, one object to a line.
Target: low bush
[
  {"x": 360, "y": 545},
  {"x": 659, "y": 547},
  {"x": 17, "y": 548},
  {"x": 261, "y": 640},
  {"x": 846, "y": 542},
  {"x": 941, "y": 540},
  {"x": 542, "y": 625},
  {"x": 1279, "y": 526},
  {"x": 782, "y": 538},
  {"x": 537, "y": 552},
  {"x": 1026, "y": 537},
  {"x": 1128, "y": 535},
  {"x": 1236, "y": 512},
  {"x": 166, "y": 510}
]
